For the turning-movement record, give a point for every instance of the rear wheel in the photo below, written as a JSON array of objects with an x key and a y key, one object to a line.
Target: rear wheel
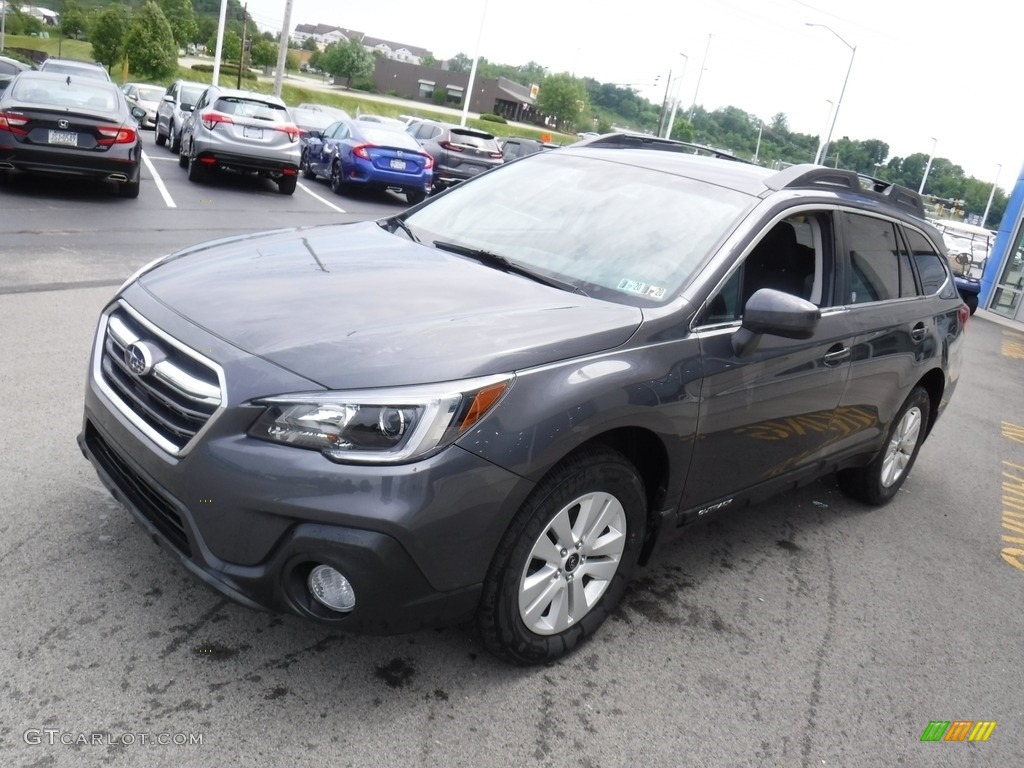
[
  {"x": 415, "y": 196},
  {"x": 563, "y": 564},
  {"x": 971, "y": 300},
  {"x": 880, "y": 480},
  {"x": 196, "y": 172},
  {"x": 286, "y": 184},
  {"x": 337, "y": 178},
  {"x": 173, "y": 138}
]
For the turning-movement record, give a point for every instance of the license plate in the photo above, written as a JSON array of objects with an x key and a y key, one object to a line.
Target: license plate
[
  {"x": 398, "y": 165},
  {"x": 252, "y": 133},
  {"x": 64, "y": 138}
]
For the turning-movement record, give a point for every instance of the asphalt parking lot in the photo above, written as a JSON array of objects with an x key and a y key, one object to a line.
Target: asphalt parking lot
[{"x": 805, "y": 631}]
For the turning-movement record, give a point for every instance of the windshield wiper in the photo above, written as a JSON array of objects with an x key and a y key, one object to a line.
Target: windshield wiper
[
  {"x": 399, "y": 224},
  {"x": 500, "y": 262}
]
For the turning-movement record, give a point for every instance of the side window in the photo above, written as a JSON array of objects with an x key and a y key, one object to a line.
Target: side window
[
  {"x": 928, "y": 261},
  {"x": 877, "y": 262},
  {"x": 790, "y": 257}
]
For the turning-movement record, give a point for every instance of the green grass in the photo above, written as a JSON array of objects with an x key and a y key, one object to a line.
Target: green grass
[{"x": 350, "y": 101}]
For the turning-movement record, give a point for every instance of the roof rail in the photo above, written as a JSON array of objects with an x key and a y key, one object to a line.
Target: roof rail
[
  {"x": 808, "y": 176},
  {"x": 643, "y": 141}
]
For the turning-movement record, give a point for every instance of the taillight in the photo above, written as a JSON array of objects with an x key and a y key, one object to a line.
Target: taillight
[
  {"x": 964, "y": 314},
  {"x": 363, "y": 151},
  {"x": 210, "y": 120},
  {"x": 13, "y": 123},
  {"x": 113, "y": 134},
  {"x": 428, "y": 162},
  {"x": 291, "y": 131},
  {"x": 495, "y": 154},
  {"x": 451, "y": 147}
]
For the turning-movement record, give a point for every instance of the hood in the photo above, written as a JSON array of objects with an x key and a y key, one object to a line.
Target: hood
[{"x": 354, "y": 306}]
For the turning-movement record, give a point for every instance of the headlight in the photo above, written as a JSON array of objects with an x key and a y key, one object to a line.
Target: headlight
[{"x": 379, "y": 425}]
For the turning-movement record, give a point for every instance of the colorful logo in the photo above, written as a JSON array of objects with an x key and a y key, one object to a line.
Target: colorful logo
[{"x": 958, "y": 730}]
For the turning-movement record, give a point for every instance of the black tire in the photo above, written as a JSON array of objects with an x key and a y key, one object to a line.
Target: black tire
[
  {"x": 286, "y": 184},
  {"x": 307, "y": 168},
  {"x": 195, "y": 170},
  {"x": 129, "y": 189},
  {"x": 971, "y": 300},
  {"x": 586, "y": 584},
  {"x": 415, "y": 196},
  {"x": 173, "y": 137},
  {"x": 879, "y": 481},
  {"x": 182, "y": 159},
  {"x": 159, "y": 138},
  {"x": 337, "y": 178}
]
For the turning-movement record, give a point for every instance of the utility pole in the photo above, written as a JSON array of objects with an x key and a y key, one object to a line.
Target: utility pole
[
  {"x": 282, "y": 50},
  {"x": 241, "y": 56},
  {"x": 220, "y": 42}
]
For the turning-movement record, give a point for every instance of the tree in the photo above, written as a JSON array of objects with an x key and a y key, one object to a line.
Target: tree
[
  {"x": 182, "y": 18},
  {"x": 72, "y": 20},
  {"x": 231, "y": 46},
  {"x": 460, "y": 63},
  {"x": 349, "y": 60},
  {"x": 309, "y": 44},
  {"x": 108, "y": 33},
  {"x": 564, "y": 98},
  {"x": 149, "y": 44},
  {"x": 263, "y": 53}
]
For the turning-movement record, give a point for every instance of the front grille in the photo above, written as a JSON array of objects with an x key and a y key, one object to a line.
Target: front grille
[
  {"x": 176, "y": 393},
  {"x": 150, "y": 502}
]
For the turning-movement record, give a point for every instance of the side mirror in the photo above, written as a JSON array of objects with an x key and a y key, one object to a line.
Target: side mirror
[
  {"x": 315, "y": 134},
  {"x": 187, "y": 107},
  {"x": 168, "y": 98},
  {"x": 139, "y": 113},
  {"x": 776, "y": 313}
]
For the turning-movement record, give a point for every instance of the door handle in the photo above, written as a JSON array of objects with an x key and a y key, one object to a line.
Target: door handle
[
  {"x": 919, "y": 332},
  {"x": 836, "y": 355}
]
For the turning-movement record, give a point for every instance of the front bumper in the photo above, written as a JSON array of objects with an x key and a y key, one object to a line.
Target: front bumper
[{"x": 251, "y": 518}]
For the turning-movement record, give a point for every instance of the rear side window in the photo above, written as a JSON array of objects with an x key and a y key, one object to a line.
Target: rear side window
[
  {"x": 929, "y": 263},
  {"x": 487, "y": 144},
  {"x": 879, "y": 266}
]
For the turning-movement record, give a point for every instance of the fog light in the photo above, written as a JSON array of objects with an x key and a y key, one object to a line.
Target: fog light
[{"x": 331, "y": 589}]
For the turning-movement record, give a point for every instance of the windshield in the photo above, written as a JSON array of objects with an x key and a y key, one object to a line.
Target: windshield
[
  {"x": 151, "y": 94},
  {"x": 619, "y": 232}
]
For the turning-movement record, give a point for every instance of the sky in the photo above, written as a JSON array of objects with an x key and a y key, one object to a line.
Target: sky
[{"x": 924, "y": 77}]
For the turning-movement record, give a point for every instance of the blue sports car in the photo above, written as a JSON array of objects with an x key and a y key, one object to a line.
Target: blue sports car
[{"x": 353, "y": 153}]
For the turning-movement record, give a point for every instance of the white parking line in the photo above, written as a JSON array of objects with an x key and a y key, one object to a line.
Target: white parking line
[
  {"x": 325, "y": 201},
  {"x": 159, "y": 182}
]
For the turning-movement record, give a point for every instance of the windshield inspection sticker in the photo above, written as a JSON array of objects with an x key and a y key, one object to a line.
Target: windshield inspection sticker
[{"x": 641, "y": 289}]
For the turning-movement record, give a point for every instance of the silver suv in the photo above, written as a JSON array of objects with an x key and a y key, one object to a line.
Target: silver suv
[
  {"x": 241, "y": 131},
  {"x": 75, "y": 67},
  {"x": 459, "y": 153},
  {"x": 173, "y": 111}
]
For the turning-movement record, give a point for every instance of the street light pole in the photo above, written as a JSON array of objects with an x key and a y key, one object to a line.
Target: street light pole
[
  {"x": 675, "y": 99},
  {"x": 988, "y": 205},
  {"x": 835, "y": 114},
  {"x": 928, "y": 167},
  {"x": 699, "y": 76}
]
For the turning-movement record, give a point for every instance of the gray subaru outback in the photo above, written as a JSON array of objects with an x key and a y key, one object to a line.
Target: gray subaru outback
[{"x": 499, "y": 402}]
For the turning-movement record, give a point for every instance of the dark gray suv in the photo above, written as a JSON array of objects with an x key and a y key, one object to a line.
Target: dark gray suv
[
  {"x": 497, "y": 403},
  {"x": 459, "y": 152}
]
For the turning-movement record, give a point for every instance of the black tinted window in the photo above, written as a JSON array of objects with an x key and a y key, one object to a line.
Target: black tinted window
[
  {"x": 874, "y": 255},
  {"x": 929, "y": 262}
]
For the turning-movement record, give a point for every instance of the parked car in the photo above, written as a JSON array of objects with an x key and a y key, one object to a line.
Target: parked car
[
  {"x": 498, "y": 402},
  {"x": 9, "y": 68},
  {"x": 146, "y": 96},
  {"x": 63, "y": 126},
  {"x": 459, "y": 153},
  {"x": 241, "y": 131},
  {"x": 360, "y": 153},
  {"x": 967, "y": 248},
  {"x": 92, "y": 70},
  {"x": 313, "y": 120},
  {"x": 174, "y": 110},
  {"x": 392, "y": 122},
  {"x": 519, "y": 146}
]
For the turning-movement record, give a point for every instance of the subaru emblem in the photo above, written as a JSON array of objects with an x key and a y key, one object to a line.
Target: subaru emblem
[{"x": 139, "y": 358}]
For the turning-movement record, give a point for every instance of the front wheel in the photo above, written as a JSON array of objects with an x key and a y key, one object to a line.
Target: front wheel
[
  {"x": 307, "y": 167},
  {"x": 879, "y": 481},
  {"x": 159, "y": 138},
  {"x": 173, "y": 137},
  {"x": 564, "y": 562}
]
